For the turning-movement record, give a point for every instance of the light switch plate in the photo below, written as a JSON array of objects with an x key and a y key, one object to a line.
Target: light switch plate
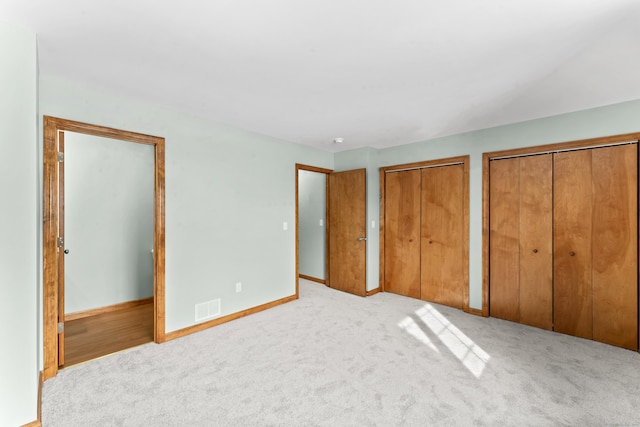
[
  {"x": 285, "y": 226},
  {"x": 321, "y": 223}
]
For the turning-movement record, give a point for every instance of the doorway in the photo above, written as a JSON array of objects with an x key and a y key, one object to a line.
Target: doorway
[
  {"x": 345, "y": 248},
  {"x": 106, "y": 220},
  {"x": 312, "y": 228},
  {"x": 54, "y": 248}
]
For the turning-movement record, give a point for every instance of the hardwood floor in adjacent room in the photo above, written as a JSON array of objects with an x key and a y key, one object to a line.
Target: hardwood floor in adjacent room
[{"x": 92, "y": 337}]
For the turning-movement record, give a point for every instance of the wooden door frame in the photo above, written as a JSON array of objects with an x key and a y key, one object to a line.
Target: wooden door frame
[
  {"x": 527, "y": 151},
  {"x": 464, "y": 160},
  {"x": 52, "y": 126},
  {"x": 308, "y": 168}
]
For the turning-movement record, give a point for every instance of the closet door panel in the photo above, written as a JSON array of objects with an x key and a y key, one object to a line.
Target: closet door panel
[
  {"x": 504, "y": 245},
  {"x": 402, "y": 233},
  {"x": 536, "y": 249},
  {"x": 443, "y": 235},
  {"x": 573, "y": 302},
  {"x": 615, "y": 254}
]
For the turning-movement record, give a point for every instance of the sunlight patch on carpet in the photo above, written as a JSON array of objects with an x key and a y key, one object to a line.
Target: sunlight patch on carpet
[
  {"x": 412, "y": 328},
  {"x": 472, "y": 356},
  {"x": 468, "y": 352}
]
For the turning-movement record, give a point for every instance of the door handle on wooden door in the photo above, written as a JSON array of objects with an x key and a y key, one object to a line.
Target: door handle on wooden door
[{"x": 362, "y": 238}]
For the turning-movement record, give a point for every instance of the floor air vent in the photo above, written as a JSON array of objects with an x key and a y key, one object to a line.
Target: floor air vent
[{"x": 207, "y": 310}]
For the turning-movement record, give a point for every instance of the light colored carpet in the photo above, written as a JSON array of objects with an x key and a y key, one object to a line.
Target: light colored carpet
[{"x": 333, "y": 359}]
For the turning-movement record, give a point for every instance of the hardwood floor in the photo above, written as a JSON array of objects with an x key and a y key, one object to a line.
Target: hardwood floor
[{"x": 92, "y": 337}]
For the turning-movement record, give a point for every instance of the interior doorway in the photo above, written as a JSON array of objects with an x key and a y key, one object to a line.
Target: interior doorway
[
  {"x": 106, "y": 220},
  {"x": 312, "y": 172},
  {"x": 55, "y": 249},
  {"x": 312, "y": 225},
  {"x": 345, "y": 248}
]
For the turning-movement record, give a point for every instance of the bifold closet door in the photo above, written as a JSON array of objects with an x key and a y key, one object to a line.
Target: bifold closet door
[
  {"x": 595, "y": 238},
  {"x": 521, "y": 260},
  {"x": 442, "y": 235},
  {"x": 573, "y": 216},
  {"x": 504, "y": 239},
  {"x": 402, "y": 233},
  {"x": 615, "y": 246},
  {"x": 536, "y": 242}
]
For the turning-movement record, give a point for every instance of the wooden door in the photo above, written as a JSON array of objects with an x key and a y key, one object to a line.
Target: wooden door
[
  {"x": 504, "y": 239},
  {"x": 402, "y": 233},
  {"x": 442, "y": 235},
  {"x": 589, "y": 244},
  {"x": 61, "y": 249},
  {"x": 535, "y": 239},
  {"x": 521, "y": 260},
  {"x": 573, "y": 225},
  {"x": 615, "y": 245},
  {"x": 347, "y": 231}
]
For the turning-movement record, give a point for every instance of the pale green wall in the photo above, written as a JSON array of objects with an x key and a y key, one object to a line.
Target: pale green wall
[
  {"x": 312, "y": 190},
  {"x": 604, "y": 121},
  {"x": 228, "y": 192},
  {"x": 19, "y": 227},
  {"x": 109, "y": 186}
]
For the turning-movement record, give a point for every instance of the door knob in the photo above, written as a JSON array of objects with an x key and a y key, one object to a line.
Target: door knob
[
  {"x": 535, "y": 251},
  {"x": 66, "y": 251},
  {"x": 362, "y": 238},
  {"x": 572, "y": 253}
]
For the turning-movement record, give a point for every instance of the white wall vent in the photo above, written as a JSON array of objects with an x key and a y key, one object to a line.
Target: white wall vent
[{"x": 207, "y": 310}]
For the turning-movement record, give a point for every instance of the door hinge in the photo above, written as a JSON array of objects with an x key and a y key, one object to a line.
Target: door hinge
[
  {"x": 61, "y": 156},
  {"x": 60, "y": 242},
  {"x": 60, "y": 327}
]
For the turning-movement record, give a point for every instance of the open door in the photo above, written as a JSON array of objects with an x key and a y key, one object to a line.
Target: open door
[
  {"x": 61, "y": 250},
  {"x": 347, "y": 224}
]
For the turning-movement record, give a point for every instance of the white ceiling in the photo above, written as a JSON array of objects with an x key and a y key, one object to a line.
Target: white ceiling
[{"x": 377, "y": 73}]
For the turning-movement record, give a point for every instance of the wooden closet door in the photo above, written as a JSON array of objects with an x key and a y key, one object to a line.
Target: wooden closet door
[
  {"x": 443, "y": 235},
  {"x": 521, "y": 221},
  {"x": 536, "y": 249},
  {"x": 615, "y": 245},
  {"x": 504, "y": 239},
  {"x": 402, "y": 233},
  {"x": 573, "y": 224}
]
